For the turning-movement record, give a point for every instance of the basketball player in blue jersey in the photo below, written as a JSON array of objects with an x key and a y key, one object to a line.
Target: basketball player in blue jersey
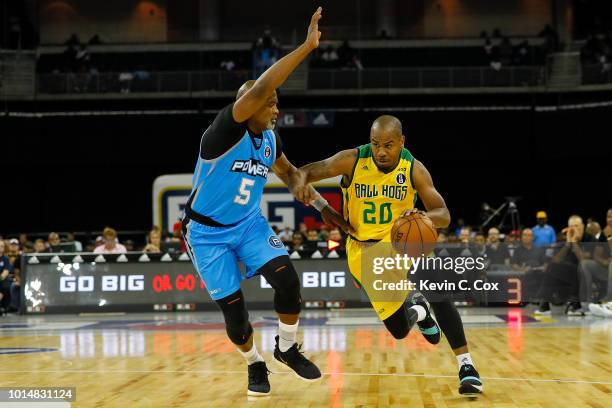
[{"x": 223, "y": 224}]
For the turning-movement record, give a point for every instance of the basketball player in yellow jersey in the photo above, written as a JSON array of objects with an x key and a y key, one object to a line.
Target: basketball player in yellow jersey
[{"x": 380, "y": 182}]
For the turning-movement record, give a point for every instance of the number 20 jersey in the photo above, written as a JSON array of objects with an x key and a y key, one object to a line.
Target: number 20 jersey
[{"x": 374, "y": 199}]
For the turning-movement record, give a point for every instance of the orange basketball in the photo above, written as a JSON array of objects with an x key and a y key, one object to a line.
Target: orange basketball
[{"x": 414, "y": 235}]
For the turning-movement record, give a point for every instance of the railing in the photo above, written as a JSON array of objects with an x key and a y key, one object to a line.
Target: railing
[
  {"x": 596, "y": 74},
  {"x": 444, "y": 77},
  {"x": 157, "y": 82},
  {"x": 148, "y": 82}
]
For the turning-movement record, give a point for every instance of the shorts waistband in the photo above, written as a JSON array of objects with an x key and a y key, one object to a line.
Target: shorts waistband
[{"x": 203, "y": 219}]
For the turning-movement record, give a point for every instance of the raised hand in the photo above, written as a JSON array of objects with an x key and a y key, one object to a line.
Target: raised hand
[{"x": 312, "y": 38}]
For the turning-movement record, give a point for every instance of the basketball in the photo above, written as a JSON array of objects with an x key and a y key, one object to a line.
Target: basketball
[{"x": 414, "y": 235}]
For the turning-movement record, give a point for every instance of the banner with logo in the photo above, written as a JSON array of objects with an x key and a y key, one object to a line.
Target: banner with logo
[
  {"x": 303, "y": 118},
  {"x": 150, "y": 286}
]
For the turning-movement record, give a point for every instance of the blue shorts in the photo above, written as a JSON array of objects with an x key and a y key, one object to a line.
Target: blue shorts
[{"x": 216, "y": 251}]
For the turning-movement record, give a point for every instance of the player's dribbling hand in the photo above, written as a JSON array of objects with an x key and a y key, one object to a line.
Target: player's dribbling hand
[
  {"x": 312, "y": 38},
  {"x": 413, "y": 211},
  {"x": 332, "y": 217}
]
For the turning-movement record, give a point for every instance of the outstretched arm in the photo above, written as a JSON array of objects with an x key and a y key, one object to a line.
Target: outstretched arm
[
  {"x": 431, "y": 198},
  {"x": 275, "y": 76},
  {"x": 287, "y": 172},
  {"x": 340, "y": 164}
]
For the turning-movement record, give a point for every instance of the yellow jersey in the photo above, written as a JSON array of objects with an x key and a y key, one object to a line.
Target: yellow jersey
[{"x": 373, "y": 199}]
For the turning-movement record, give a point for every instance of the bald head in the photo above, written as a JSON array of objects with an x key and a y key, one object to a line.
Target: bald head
[
  {"x": 388, "y": 124},
  {"x": 244, "y": 88},
  {"x": 386, "y": 141}
]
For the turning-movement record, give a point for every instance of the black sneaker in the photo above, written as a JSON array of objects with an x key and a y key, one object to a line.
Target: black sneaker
[
  {"x": 258, "y": 380},
  {"x": 293, "y": 358},
  {"x": 543, "y": 309},
  {"x": 469, "y": 381},
  {"x": 574, "y": 309},
  {"x": 428, "y": 326}
]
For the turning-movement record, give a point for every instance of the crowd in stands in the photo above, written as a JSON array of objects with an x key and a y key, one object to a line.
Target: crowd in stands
[
  {"x": 571, "y": 267},
  {"x": 568, "y": 266},
  {"x": 507, "y": 54},
  {"x": 343, "y": 57},
  {"x": 597, "y": 50},
  {"x": 266, "y": 51},
  {"x": 123, "y": 72}
]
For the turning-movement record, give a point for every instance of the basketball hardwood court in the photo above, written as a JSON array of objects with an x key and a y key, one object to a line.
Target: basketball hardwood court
[{"x": 185, "y": 360}]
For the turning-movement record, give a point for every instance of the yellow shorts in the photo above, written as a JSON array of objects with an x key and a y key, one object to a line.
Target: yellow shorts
[{"x": 360, "y": 261}]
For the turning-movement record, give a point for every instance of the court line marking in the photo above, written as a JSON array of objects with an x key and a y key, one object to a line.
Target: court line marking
[{"x": 541, "y": 380}]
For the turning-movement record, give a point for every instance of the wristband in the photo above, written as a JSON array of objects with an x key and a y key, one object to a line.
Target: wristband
[{"x": 319, "y": 203}]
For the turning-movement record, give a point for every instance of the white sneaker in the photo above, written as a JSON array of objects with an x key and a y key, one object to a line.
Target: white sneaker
[
  {"x": 601, "y": 310},
  {"x": 539, "y": 312}
]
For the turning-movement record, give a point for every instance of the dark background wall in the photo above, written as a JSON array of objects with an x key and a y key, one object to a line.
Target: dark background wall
[{"x": 84, "y": 173}]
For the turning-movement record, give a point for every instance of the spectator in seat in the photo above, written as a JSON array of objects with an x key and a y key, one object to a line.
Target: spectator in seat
[
  {"x": 527, "y": 256},
  {"x": 560, "y": 279},
  {"x": 511, "y": 241},
  {"x": 6, "y": 273},
  {"x": 40, "y": 247},
  {"x": 598, "y": 269},
  {"x": 53, "y": 239},
  {"x": 129, "y": 245},
  {"x": 330, "y": 57},
  {"x": 496, "y": 252},
  {"x": 465, "y": 235},
  {"x": 14, "y": 278},
  {"x": 303, "y": 229},
  {"x": 594, "y": 229},
  {"x": 459, "y": 227},
  {"x": 154, "y": 245},
  {"x": 286, "y": 235},
  {"x": 14, "y": 254},
  {"x": 24, "y": 241},
  {"x": 607, "y": 231},
  {"x": 462, "y": 244},
  {"x": 312, "y": 240},
  {"x": 442, "y": 237},
  {"x": 480, "y": 244},
  {"x": 543, "y": 234},
  {"x": 323, "y": 233},
  {"x": 111, "y": 244},
  {"x": 530, "y": 261},
  {"x": 297, "y": 242},
  {"x": 78, "y": 246}
]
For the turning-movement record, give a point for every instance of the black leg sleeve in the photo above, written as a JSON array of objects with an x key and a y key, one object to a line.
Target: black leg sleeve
[{"x": 450, "y": 322}]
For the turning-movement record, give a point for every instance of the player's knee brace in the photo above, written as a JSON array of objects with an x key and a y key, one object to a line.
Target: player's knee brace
[
  {"x": 236, "y": 317},
  {"x": 282, "y": 276}
]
